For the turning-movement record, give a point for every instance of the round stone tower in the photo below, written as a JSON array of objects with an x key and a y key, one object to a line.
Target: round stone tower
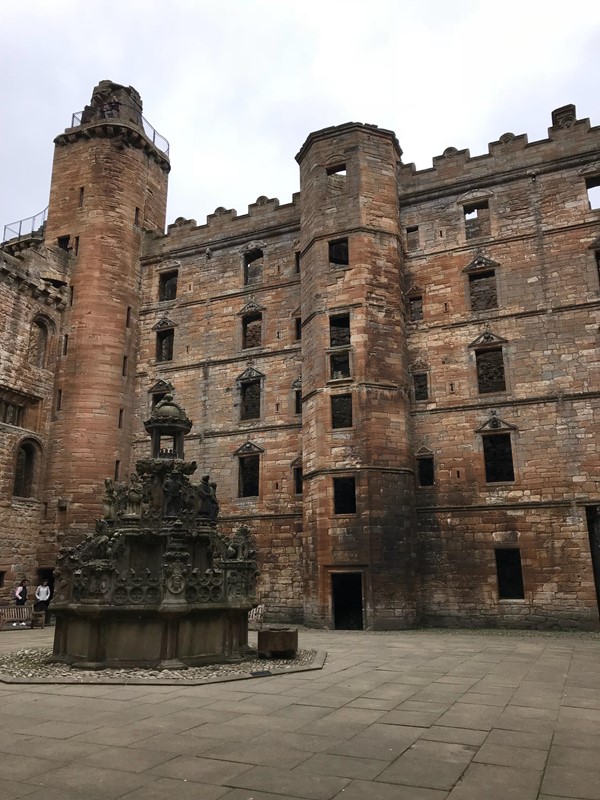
[
  {"x": 109, "y": 184},
  {"x": 358, "y": 494}
]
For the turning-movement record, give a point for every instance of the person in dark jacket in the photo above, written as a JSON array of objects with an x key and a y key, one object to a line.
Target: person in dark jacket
[{"x": 21, "y": 593}]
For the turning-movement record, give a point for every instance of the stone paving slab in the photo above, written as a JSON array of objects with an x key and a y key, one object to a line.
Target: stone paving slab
[{"x": 419, "y": 715}]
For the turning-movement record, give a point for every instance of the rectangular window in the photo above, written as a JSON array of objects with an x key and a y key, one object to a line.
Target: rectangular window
[
  {"x": 2, "y": 578},
  {"x": 249, "y": 476},
  {"x": 297, "y": 262},
  {"x": 81, "y": 195},
  {"x": 344, "y": 496},
  {"x": 253, "y": 267},
  {"x": 250, "y": 400},
  {"x": 59, "y": 400},
  {"x": 341, "y": 411},
  {"x": 121, "y": 415},
  {"x": 124, "y": 369},
  {"x": 497, "y": 453},
  {"x": 136, "y": 216},
  {"x": 482, "y": 291},
  {"x": 128, "y": 317},
  {"x": 297, "y": 401},
  {"x": 415, "y": 308},
  {"x": 297, "y": 480},
  {"x": 164, "y": 345},
  {"x": 592, "y": 186},
  {"x": 117, "y": 470},
  {"x": 339, "y": 330},
  {"x": 297, "y": 328},
  {"x": 71, "y": 295},
  {"x": 477, "y": 219},
  {"x": 490, "y": 371},
  {"x": 167, "y": 286},
  {"x": 425, "y": 470},
  {"x": 338, "y": 253},
  {"x": 340, "y": 365},
  {"x": 420, "y": 386},
  {"x": 157, "y": 397},
  {"x": 63, "y": 242},
  {"x": 510, "y": 574},
  {"x": 412, "y": 237},
  {"x": 252, "y": 330},
  {"x": 338, "y": 169},
  {"x": 65, "y": 344},
  {"x": 76, "y": 246}
]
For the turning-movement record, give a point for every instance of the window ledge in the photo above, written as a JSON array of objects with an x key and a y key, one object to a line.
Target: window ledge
[
  {"x": 17, "y": 499},
  {"x": 339, "y": 381},
  {"x": 519, "y": 600}
]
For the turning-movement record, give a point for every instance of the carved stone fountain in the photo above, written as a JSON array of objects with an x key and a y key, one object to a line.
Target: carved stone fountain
[{"x": 156, "y": 585}]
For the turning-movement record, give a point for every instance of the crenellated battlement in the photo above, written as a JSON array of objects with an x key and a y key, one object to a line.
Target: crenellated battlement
[{"x": 570, "y": 141}]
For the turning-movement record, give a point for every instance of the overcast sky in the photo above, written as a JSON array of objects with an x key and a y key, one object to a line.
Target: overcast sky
[{"x": 237, "y": 85}]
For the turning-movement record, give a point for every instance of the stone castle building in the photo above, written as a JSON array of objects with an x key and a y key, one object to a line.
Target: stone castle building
[{"x": 393, "y": 379}]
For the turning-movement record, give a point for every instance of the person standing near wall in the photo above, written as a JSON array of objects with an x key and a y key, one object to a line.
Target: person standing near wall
[
  {"x": 42, "y": 596},
  {"x": 21, "y": 593}
]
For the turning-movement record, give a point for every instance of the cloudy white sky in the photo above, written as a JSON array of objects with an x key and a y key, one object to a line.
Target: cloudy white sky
[{"x": 237, "y": 85}]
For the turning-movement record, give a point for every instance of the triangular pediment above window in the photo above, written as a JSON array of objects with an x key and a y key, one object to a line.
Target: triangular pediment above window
[
  {"x": 167, "y": 266},
  {"x": 494, "y": 424},
  {"x": 248, "y": 449},
  {"x": 251, "y": 307},
  {"x": 591, "y": 169},
  {"x": 164, "y": 324},
  {"x": 297, "y": 384},
  {"x": 424, "y": 451},
  {"x": 487, "y": 339},
  {"x": 474, "y": 195},
  {"x": 480, "y": 263},
  {"x": 254, "y": 245},
  {"x": 420, "y": 365},
  {"x": 249, "y": 374},
  {"x": 297, "y": 462},
  {"x": 414, "y": 291},
  {"x": 160, "y": 386}
]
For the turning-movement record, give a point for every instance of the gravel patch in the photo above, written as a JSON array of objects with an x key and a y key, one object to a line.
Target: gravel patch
[{"x": 33, "y": 666}]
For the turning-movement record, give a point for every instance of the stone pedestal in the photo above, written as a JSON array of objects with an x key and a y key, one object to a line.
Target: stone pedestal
[{"x": 278, "y": 643}]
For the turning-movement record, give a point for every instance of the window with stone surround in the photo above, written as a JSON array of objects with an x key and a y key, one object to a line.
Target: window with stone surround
[
  {"x": 412, "y": 238},
  {"x": 249, "y": 475},
  {"x": 339, "y": 330},
  {"x": 425, "y": 471},
  {"x": 12, "y": 413},
  {"x": 477, "y": 219},
  {"x": 26, "y": 468},
  {"x": 38, "y": 343},
  {"x": 415, "y": 308},
  {"x": 250, "y": 394},
  {"x": 297, "y": 262},
  {"x": 297, "y": 329},
  {"x": 167, "y": 285},
  {"x": 482, "y": 290},
  {"x": 338, "y": 253},
  {"x": 490, "y": 370},
  {"x": 253, "y": 266},
  {"x": 339, "y": 364},
  {"x": 344, "y": 495},
  {"x": 497, "y": 454},
  {"x": 297, "y": 475},
  {"x": 420, "y": 386},
  {"x": 165, "y": 341},
  {"x": 592, "y": 186},
  {"x": 252, "y": 330},
  {"x": 341, "y": 411},
  {"x": 297, "y": 401},
  {"x": 509, "y": 572}
]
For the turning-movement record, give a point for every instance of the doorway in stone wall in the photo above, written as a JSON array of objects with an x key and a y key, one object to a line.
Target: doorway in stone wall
[
  {"x": 347, "y": 600},
  {"x": 592, "y": 514}
]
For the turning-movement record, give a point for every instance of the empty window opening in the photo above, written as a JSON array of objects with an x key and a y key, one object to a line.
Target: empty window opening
[
  {"x": 338, "y": 169},
  {"x": 510, "y": 574},
  {"x": 12, "y": 414},
  {"x": 340, "y": 365},
  {"x": 71, "y": 295},
  {"x": 347, "y": 601},
  {"x": 2, "y": 579},
  {"x": 157, "y": 397},
  {"x": 63, "y": 242},
  {"x": 164, "y": 345},
  {"x": 339, "y": 330},
  {"x": 592, "y": 186},
  {"x": 24, "y": 470},
  {"x": 425, "y": 470},
  {"x": 415, "y": 308},
  {"x": 65, "y": 344},
  {"x": 412, "y": 237},
  {"x": 592, "y": 514},
  {"x": 490, "y": 370},
  {"x": 128, "y": 317},
  {"x": 451, "y": 388},
  {"x": 124, "y": 367},
  {"x": 497, "y": 453},
  {"x": 277, "y": 408},
  {"x": 136, "y": 216},
  {"x": 344, "y": 496},
  {"x": 249, "y": 476},
  {"x": 338, "y": 253},
  {"x": 121, "y": 415},
  {"x": 117, "y": 470},
  {"x": 297, "y": 328},
  {"x": 167, "y": 286},
  {"x": 59, "y": 400},
  {"x": 477, "y": 219},
  {"x": 445, "y": 308},
  {"x": 297, "y": 262},
  {"x": 252, "y": 330},
  {"x": 76, "y": 246},
  {"x": 420, "y": 386},
  {"x": 253, "y": 266},
  {"x": 81, "y": 196},
  {"x": 250, "y": 400},
  {"x": 341, "y": 411},
  {"x": 482, "y": 291},
  {"x": 298, "y": 401},
  {"x": 297, "y": 480},
  {"x": 38, "y": 342}
]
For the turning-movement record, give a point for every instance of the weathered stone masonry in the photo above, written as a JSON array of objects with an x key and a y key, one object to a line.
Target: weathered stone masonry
[{"x": 394, "y": 378}]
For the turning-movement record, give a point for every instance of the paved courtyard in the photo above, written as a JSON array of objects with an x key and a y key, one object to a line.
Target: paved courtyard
[{"x": 397, "y": 716}]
